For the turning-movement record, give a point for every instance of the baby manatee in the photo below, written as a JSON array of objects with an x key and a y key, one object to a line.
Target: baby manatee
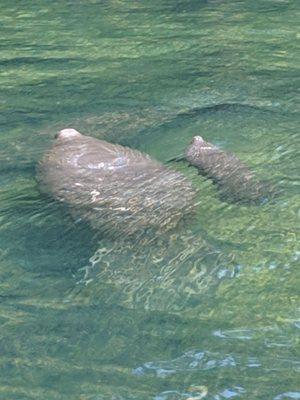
[
  {"x": 118, "y": 190},
  {"x": 237, "y": 183}
]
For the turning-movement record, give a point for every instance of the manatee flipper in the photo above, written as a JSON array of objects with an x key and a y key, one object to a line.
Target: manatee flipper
[{"x": 179, "y": 158}]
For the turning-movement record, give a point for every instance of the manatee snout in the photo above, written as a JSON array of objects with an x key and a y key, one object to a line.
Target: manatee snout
[
  {"x": 68, "y": 133},
  {"x": 197, "y": 149},
  {"x": 197, "y": 140}
]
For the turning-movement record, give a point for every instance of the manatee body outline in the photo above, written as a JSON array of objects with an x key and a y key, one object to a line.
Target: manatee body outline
[
  {"x": 119, "y": 190},
  {"x": 236, "y": 182}
]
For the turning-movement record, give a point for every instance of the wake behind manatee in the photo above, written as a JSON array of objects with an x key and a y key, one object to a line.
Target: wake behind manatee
[{"x": 170, "y": 273}]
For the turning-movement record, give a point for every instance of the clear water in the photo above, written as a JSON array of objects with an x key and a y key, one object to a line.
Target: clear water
[{"x": 213, "y": 315}]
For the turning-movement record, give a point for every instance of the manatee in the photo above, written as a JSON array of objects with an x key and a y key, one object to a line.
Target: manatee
[
  {"x": 116, "y": 189},
  {"x": 237, "y": 183}
]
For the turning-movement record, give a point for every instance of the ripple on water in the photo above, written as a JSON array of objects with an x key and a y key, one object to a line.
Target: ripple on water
[{"x": 194, "y": 320}]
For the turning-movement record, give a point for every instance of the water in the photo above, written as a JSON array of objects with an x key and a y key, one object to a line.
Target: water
[{"x": 213, "y": 315}]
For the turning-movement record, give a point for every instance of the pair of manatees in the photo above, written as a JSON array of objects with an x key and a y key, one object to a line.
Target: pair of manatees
[
  {"x": 123, "y": 191},
  {"x": 126, "y": 195}
]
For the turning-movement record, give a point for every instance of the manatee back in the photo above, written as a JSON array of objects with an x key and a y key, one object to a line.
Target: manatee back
[{"x": 114, "y": 187}]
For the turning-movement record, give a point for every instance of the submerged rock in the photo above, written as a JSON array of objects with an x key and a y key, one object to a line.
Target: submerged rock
[{"x": 119, "y": 190}]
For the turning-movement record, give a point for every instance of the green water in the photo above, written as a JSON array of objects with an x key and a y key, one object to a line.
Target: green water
[{"x": 218, "y": 316}]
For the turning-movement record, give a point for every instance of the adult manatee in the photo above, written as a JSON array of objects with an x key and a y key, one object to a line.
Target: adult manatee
[
  {"x": 117, "y": 189},
  {"x": 235, "y": 180}
]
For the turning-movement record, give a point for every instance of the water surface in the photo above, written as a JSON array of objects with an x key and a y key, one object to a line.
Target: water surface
[{"x": 214, "y": 314}]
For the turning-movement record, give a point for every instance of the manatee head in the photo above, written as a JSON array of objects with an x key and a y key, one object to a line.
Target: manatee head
[
  {"x": 197, "y": 140},
  {"x": 68, "y": 133},
  {"x": 198, "y": 147},
  {"x": 199, "y": 143}
]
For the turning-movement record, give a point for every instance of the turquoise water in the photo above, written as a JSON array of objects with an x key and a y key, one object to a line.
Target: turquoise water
[{"x": 214, "y": 314}]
